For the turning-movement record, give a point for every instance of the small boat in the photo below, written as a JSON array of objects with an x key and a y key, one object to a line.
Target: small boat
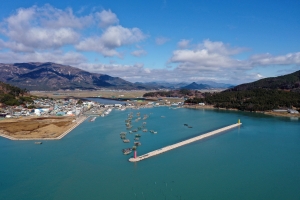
[
  {"x": 38, "y": 143},
  {"x": 123, "y": 133},
  {"x": 145, "y": 130},
  {"x": 136, "y": 138},
  {"x": 126, "y": 140},
  {"x": 190, "y": 127},
  {"x": 144, "y": 122},
  {"x": 151, "y": 131},
  {"x": 123, "y": 137},
  {"x": 130, "y": 131},
  {"x": 155, "y": 132},
  {"x": 137, "y": 143},
  {"x": 127, "y": 151},
  {"x": 93, "y": 119},
  {"x": 137, "y": 135},
  {"x": 185, "y": 124}
]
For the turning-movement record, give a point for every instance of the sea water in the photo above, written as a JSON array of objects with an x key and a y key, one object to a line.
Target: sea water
[{"x": 259, "y": 160}]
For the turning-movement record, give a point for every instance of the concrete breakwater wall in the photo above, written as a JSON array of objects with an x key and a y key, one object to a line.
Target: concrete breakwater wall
[{"x": 179, "y": 144}]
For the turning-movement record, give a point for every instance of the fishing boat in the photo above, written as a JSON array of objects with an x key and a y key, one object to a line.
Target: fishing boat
[
  {"x": 126, "y": 140},
  {"x": 93, "y": 119},
  {"x": 38, "y": 143},
  {"x": 137, "y": 143},
  {"x": 127, "y": 151},
  {"x": 123, "y": 137}
]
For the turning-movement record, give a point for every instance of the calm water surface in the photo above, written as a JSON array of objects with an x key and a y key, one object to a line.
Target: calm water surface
[{"x": 259, "y": 160}]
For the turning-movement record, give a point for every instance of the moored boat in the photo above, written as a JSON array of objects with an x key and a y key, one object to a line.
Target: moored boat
[
  {"x": 137, "y": 143},
  {"x": 38, "y": 143},
  {"x": 126, "y": 140}
]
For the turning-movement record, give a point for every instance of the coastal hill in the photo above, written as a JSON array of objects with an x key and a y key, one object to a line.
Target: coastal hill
[
  {"x": 52, "y": 76},
  {"x": 11, "y": 95},
  {"x": 285, "y": 82},
  {"x": 261, "y": 95}
]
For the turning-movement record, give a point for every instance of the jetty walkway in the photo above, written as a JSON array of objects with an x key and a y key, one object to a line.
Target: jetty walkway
[{"x": 179, "y": 144}]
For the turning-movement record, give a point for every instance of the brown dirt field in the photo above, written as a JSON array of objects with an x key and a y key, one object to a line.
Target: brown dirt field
[
  {"x": 36, "y": 127},
  {"x": 83, "y": 94}
]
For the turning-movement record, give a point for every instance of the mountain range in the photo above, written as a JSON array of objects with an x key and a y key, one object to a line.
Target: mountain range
[{"x": 52, "y": 76}]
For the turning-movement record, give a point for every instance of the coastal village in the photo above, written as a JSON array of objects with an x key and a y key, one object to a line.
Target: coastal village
[
  {"x": 73, "y": 107},
  {"x": 48, "y": 118}
]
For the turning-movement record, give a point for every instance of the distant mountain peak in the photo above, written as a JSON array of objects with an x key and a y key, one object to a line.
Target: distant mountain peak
[{"x": 196, "y": 86}]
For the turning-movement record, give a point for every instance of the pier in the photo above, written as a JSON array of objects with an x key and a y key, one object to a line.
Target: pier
[{"x": 179, "y": 144}]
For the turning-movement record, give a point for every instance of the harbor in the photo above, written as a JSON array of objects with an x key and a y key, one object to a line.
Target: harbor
[
  {"x": 91, "y": 157},
  {"x": 168, "y": 148}
]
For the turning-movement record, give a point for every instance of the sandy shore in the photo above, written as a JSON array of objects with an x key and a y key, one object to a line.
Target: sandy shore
[{"x": 38, "y": 128}]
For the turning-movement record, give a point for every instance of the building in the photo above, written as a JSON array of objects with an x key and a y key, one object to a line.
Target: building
[{"x": 292, "y": 111}]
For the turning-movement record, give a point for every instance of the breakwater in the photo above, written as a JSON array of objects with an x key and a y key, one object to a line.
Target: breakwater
[{"x": 179, "y": 144}]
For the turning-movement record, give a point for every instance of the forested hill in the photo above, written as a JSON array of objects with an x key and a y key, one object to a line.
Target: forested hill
[
  {"x": 285, "y": 82},
  {"x": 262, "y": 95},
  {"x": 11, "y": 95}
]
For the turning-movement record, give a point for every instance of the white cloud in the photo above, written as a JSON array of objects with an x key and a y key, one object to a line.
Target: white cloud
[
  {"x": 161, "y": 40},
  {"x": 183, "y": 44},
  {"x": 69, "y": 58},
  {"x": 107, "y": 18},
  {"x": 139, "y": 53},
  {"x": 216, "y": 60},
  {"x": 220, "y": 48},
  {"x": 259, "y": 76},
  {"x": 112, "y": 38},
  {"x": 44, "y": 27},
  {"x": 268, "y": 59}
]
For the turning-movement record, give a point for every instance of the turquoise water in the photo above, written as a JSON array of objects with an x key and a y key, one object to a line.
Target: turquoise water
[{"x": 259, "y": 160}]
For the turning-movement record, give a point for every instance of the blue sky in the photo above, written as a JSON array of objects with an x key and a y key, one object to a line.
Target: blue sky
[{"x": 159, "y": 40}]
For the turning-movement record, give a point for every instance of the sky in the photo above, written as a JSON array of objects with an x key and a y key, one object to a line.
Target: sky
[{"x": 234, "y": 41}]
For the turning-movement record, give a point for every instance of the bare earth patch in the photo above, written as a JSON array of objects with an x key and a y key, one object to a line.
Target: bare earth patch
[{"x": 36, "y": 127}]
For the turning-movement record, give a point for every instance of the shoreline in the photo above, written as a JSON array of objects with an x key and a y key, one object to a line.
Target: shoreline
[
  {"x": 270, "y": 113},
  {"x": 76, "y": 123}
]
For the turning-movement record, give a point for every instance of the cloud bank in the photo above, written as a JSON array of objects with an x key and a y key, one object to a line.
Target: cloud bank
[{"x": 49, "y": 34}]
